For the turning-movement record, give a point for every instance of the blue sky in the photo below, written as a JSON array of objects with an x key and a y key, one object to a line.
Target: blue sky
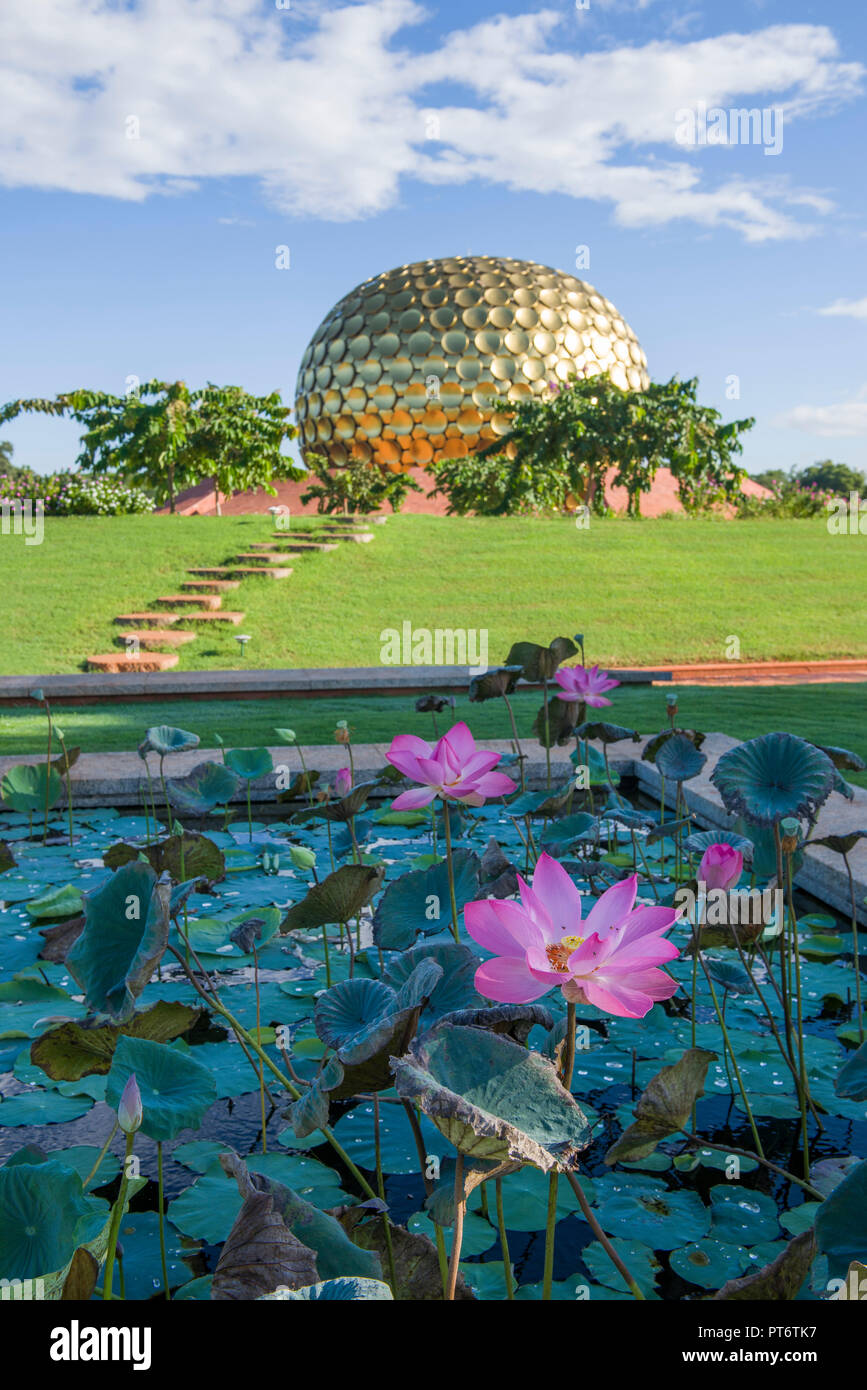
[{"x": 363, "y": 136}]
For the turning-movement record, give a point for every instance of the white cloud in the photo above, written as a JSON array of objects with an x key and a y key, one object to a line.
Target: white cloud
[
  {"x": 846, "y": 308},
  {"x": 842, "y": 420},
  {"x": 327, "y": 108}
]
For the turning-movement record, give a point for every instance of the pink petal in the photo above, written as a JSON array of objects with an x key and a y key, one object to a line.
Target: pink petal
[
  {"x": 555, "y": 889},
  {"x": 408, "y": 764},
  {"x": 461, "y": 742},
  {"x": 495, "y": 784},
  {"x": 496, "y": 932},
  {"x": 508, "y": 980},
  {"x": 414, "y": 799},
  {"x": 614, "y": 904}
]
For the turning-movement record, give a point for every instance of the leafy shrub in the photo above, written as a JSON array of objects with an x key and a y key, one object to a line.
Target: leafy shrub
[
  {"x": 356, "y": 486},
  {"x": 789, "y": 500},
  {"x": 75, "y": 494}
]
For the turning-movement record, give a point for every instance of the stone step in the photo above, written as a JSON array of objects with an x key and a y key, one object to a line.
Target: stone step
[
  {"x": 302, "y": 547},
  {"x": 224, "y": 616},
  {"x": 183, "y": 601},
  {"x": 270, "y": 556},
  {"x": 157, "y": 637},
  {"x": 210, "y": 586},
  {"x": 148, "y": 619},
  {"x": 245, "y": 571},
  {"x": 357, "y": 537},
  {"x": 145, "y": 661}
]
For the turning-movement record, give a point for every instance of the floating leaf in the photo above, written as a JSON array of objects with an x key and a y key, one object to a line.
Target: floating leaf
[
  {"x": 337, "y": 898},
  {"x": 851, "y": 1080},
  {"x": 176, "y": 1089},
  {"x": 126, "y": 929},
  {"x": 841, "y": 1222},
  {"x": 73, "y": 1050},
  {"x": 23, "y": 787},
  {"x": 492, "y": 1098},
  {"x": 780, "y": 1280},
  {"x": 54, "y": 903},
  {"x": 44, "y": 1217},
  {"x": 664, "y": 1107},
  {"x": 190, "y": 856},
  {"x": 207, "y": 786},
  {"x": 418, "y": 901}
]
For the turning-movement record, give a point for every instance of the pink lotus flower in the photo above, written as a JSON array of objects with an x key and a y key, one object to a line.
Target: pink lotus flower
[
  {"x": 343, "y": 782},
  {"x": 720, "y": 866},
  {"x": 453, "y": 768},
  {"x": 584, "y": 683},
  {"x": 129, "y": 1107},
  {"x": 608, "y": 960}
]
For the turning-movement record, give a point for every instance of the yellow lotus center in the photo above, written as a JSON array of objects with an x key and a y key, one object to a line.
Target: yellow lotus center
[{"x": 558, "y": 955}]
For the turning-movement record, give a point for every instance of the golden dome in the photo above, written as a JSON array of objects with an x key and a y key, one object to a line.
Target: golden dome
[{"x": 414, "y": 364}]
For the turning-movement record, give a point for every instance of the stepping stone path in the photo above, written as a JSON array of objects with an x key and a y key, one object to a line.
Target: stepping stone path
[{"x": 201, "y": 599}]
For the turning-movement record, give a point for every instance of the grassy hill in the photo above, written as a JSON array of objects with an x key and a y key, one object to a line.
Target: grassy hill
[{"x": 643, "y": 592}]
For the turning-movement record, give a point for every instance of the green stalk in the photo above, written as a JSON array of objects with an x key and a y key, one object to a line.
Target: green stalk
[
  {"x": 380, "y": 1183},
  {"x": 99, "y": 1157},
  {"x": 451, "y": 869},
  {"x": 603, "y": 1239},
  {"x": 727, "y": 1042},
  {"x": 504, "y": 1240},
  {"x": 242, "y": 1034},
  {"x": 548, "y": 1276},
  {"x": 517, "y": 742},
  {"x": 47, "y": 771},
  {"x": 68, "y": 783},
  {"x": 547, "y": 736},
  {"x": 161, "y": 1209},
  {"x": 457, "y": 1238},
  {"x": 855, "y": 949},
  {"x": 116, "y": 1215},
  {"x": 802, "y": 1065}
]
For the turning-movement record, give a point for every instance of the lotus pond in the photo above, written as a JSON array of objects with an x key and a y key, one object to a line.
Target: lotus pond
[{"x": 484, "y": 1043}]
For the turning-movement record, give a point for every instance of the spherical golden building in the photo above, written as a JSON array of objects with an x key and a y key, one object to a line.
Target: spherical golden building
[{"x": 415, "y": 364}]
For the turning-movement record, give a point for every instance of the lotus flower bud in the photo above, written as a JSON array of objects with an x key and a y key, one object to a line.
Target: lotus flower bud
[
  {"x": 302, "y": 858},
  {"x": 720, "y": 866},
  {"x": 341, "y": 733},
  {"x": 38, "y": 693},
  {"x": 129, "y": 1108},
  {"x": 343, "y": 782}
]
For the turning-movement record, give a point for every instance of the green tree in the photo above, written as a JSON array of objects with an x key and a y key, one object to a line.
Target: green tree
[
  {"x": 6, "y": 451},
  {"x": 836, "y": 478},
  {"x": 560, "y": 447},
  {"x": 166, "y": 437}
]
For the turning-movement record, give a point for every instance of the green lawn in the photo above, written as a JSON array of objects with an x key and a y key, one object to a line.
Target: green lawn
[
  {"x": 643, "y": 592},
  {"x": 831, "y": 714}
]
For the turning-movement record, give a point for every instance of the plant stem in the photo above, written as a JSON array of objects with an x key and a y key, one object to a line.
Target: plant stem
[
  {"x": 697, "y": 1142},
  {"x": 116, "y": 1216},
  {"x": 517, "y": 741},
  {"x": 242, "y": 1034},
  {"x": 547, "y": 737},
  {"x": 162, "y": 1215},
  {"x": 855, "y": 949},
  {"x": 504, "y": 1240},
  {"x": 727, "y": 1043},
  {"x": 603, "y": 1239},
  {"x": 380, "y": 1183},
  {"x": 569, "y": 1047},
  {"x": 802, "y": 1065},
  {"x": 100, "y": 1156},
  {"x": 451, "y": 872},
  {"x": 458, "y": 1236},
  {"x": 548, "y": 1276}
]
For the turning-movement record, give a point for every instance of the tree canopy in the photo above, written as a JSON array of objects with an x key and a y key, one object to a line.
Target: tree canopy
[
  {"x": 560, "y": 446},
  {"x": 166, "y": 437}
]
